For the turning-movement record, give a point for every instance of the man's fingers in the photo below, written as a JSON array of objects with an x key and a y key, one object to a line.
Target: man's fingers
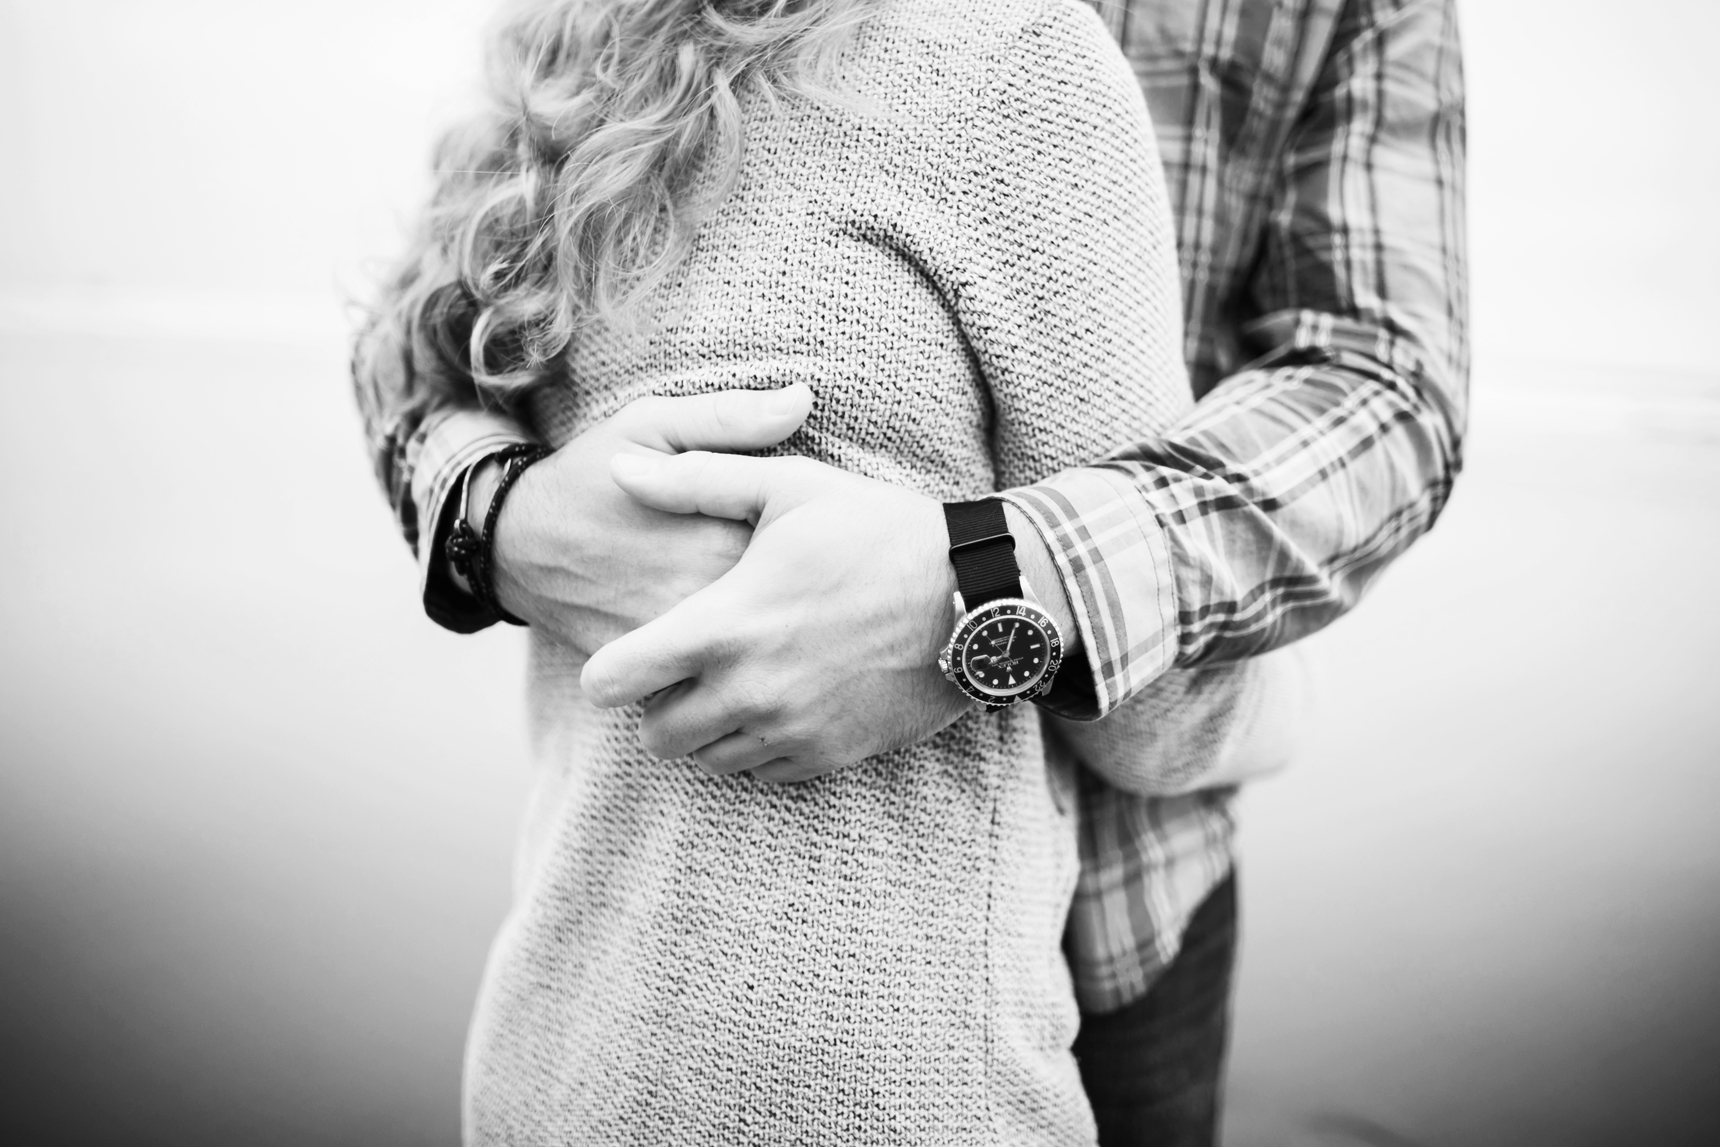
[
  {"x": 787, "y": 771},
  {"x": 735, "y": 753},
  {"x": 655, "y": 656},
  {"x": 679, "y": 721},
  {"x": 716, "y": 485},
  {"x": 724, "y": 420}
]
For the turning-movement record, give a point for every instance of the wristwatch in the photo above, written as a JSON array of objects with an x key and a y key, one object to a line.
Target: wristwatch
[{"x": 1005, "y": 648}]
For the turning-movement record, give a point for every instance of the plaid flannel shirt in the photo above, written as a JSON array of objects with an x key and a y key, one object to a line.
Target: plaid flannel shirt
[{"x": 1314, "y": 153}]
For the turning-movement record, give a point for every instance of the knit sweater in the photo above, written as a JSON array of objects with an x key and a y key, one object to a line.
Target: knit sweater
[{"x": 972, "y": 265}]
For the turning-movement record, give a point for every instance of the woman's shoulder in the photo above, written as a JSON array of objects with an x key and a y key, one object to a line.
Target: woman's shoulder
[
  {"x": 985, "y": 19},
  {"x": 979, "y": 22},
  {"x": 978, "y": 38}
]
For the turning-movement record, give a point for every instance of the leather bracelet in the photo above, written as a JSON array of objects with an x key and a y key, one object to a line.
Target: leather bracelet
[
  {"x": 460, "y": 547},
  {"x": 472, "y": 552},
  {"x": 514, "y": 460}
]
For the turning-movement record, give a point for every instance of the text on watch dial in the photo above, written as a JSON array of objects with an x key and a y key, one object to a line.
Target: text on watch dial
[{"x": 1006, "y": 655}]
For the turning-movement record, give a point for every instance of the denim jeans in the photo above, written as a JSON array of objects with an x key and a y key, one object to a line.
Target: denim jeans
[{"x": 1153, "y": 1070}]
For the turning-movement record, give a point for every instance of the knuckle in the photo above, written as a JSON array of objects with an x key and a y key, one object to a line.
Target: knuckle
[
  {"x": 756, "y": 704},
  {"x": 664, "y": 729}
]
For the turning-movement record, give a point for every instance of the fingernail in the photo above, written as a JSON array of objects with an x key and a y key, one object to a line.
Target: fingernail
[
  {"x": 781, "y": 402},
  {"x": 632, "y": 465}
]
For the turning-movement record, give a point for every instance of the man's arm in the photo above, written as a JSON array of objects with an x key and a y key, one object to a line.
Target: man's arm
[
  {"x": 1260, "y": 517},
  {"x": 1267, "y": 512}
]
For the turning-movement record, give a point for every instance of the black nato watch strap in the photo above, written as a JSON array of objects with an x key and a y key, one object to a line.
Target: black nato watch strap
[{"x": 983, "y": 551}]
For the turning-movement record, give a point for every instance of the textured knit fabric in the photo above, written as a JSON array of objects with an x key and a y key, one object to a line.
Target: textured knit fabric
[
  {"x": 973, "y": 267},
  {"x": 1315, "y": 156}
]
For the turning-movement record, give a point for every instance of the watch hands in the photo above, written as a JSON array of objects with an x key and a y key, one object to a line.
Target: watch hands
[{"x": 1002, "y": 659}]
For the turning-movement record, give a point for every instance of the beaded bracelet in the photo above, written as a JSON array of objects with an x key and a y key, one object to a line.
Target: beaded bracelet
[{"x": 472, "y": 552}]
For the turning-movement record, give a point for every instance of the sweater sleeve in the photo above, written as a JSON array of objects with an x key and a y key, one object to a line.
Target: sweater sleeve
[{"x": 1070, "y": 299}]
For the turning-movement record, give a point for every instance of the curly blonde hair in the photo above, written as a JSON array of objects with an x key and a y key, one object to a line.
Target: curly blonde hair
[{"x": 571, "y": 193}]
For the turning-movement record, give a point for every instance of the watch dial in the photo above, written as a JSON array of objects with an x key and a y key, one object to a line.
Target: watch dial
[{"x": 1006, "y": 655}]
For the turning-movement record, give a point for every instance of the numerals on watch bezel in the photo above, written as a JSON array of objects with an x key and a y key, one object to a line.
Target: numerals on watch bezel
[{"x": 955, "y": 660}]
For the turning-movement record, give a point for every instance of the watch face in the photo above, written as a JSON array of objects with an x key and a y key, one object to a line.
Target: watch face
[{"x": 1007, "y": 652}]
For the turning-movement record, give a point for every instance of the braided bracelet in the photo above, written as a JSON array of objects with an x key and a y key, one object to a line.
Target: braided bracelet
[
  {"x": 514, "y": 460},
  {"x": 472, "y": 552},
  {"x": 460, "y": 547}
]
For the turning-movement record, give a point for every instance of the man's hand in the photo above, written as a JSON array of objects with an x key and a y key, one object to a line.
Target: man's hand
[
  {"x": 818, "y": 649},
  {"x": 577, "y": 557}
]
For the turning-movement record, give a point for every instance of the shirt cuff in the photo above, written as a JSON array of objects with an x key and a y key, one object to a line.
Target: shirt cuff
[
  {"x": 446, "y": 447},
  {"x": 1114, "y": 558}
]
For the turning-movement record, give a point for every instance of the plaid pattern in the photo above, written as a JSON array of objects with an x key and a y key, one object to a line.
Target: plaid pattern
[
  {"x": 1314, "y": 154},
  {"x": 1314, "y": 150},
  {"x": 1146, "y": 865}
]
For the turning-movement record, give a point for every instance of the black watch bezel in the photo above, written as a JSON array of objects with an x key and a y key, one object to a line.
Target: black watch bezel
[{"x": 953, "y": 661}]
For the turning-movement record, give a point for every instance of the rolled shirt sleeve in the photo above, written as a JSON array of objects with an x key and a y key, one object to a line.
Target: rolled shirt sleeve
[{"x": 1268, "y": 510}]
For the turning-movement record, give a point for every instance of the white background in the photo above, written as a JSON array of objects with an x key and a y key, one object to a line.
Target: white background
[{"x": 255, "y": 812}]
